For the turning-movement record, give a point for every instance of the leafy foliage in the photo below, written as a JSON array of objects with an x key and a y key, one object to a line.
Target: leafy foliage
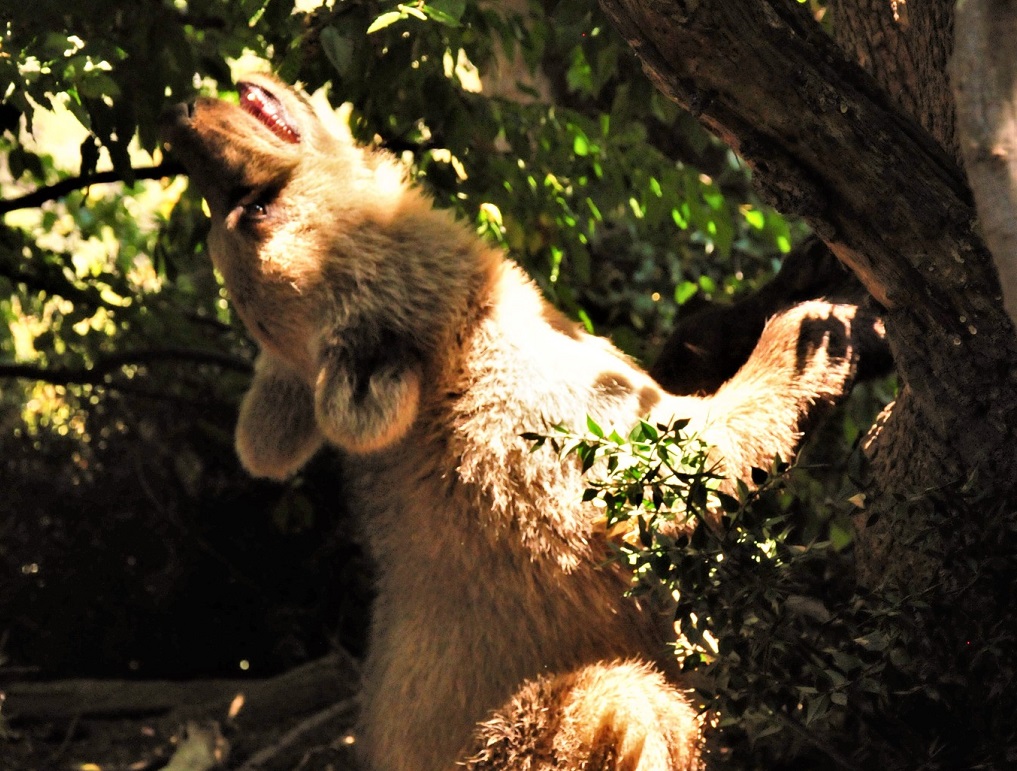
[
  {"x": 537, "y": 127},
  {"x": 799, "y": 665}
]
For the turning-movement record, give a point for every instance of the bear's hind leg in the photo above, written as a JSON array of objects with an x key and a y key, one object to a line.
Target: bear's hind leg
[{"x": 620, "y": 716}]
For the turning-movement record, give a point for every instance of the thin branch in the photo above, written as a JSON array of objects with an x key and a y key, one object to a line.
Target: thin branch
[
  {"x": 65, "y": 186},
  {"x": 320, "y": 728}
]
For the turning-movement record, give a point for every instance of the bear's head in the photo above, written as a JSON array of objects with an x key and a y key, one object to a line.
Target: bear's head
[{"x": 338, "y": 266}]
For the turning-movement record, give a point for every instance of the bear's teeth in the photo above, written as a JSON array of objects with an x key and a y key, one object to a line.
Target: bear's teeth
[{"x": 269, "y": 110}]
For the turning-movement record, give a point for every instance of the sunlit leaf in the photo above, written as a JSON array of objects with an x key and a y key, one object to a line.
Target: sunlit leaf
[
  {"x": 385, "y": 20},
  {"x": 685, "y": 291}
]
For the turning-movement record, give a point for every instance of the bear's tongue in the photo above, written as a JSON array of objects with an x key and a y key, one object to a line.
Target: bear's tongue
[{"x": 269, "y": 110}]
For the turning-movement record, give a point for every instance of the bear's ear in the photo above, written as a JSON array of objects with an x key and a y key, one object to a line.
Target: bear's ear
[
  {"x": 369, "y": 402},
  {"x": 276, "y": 432}
]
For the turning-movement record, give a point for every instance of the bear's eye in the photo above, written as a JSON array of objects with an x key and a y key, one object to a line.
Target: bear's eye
[
  {"x": 251, "y": 207},
  {"x": 255, "y": 210}
]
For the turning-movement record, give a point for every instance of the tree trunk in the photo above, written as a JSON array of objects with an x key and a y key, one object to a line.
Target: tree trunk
[
  {"x": 906, "y": 50},
  {"x": 826, "y": 142},
  {"x": 985, "y": 83}
]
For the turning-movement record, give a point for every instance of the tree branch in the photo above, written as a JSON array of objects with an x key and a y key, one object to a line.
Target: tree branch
[
  {"x": 826, "y": 142},
  {"x": 321, "y": 729},
  {"x": 823, "y": 140},
  {"x": 65, "y": 186},
  {"x": 271, "y": 722},
  {"x": 311, "y": 687}
]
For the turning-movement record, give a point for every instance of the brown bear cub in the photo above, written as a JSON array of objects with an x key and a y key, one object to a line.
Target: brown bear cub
[{"x": 391, "y": 331}]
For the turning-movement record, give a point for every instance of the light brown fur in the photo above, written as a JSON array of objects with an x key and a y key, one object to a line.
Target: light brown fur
[
  {"x": 612, "y": 715},
  {"x": 390, "y": 330}
]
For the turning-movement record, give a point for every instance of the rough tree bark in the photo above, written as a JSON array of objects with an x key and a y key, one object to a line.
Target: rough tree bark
[
  {"x": 906, "y": 48},
  {"x": 826, "y": 142},
  {"x": 965, "y": 97},
  {"x": 984, "y": 76}
]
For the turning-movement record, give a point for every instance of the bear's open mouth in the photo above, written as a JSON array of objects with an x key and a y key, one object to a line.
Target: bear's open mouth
[{"x": 269, "y": 110}]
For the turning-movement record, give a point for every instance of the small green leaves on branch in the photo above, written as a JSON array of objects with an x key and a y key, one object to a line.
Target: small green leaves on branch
[
  {"x": 757, "y": 597},
  {"x": 658, "y": 473},
  {"x": 447, "y": 12}
]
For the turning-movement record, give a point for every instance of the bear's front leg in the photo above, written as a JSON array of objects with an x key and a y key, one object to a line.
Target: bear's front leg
[
  {"x": 367, "y": 399},
  {"x": 276, "y": 431}
]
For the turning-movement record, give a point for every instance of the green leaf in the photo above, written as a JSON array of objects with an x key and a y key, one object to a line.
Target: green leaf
[
  {"x": 96, "y": 85},
  {"x": 815, "y": 707},
  {"x": 584, "y": 317},
  {"x": 874, "y": 641},
  {"x": 729, "y": 503},
  {"x": 89, "y": 155},
  {"x": 680, "y": 215},
  {"x": 685, "y": 291},
  {"x": 678, "y": 425},
  {"x": 447, "y": 12},
  {"x": 643, "y": 432},
  {"x": 743, "y": 490},
  {"x": 657, "y": 497},
  {"x": 594, "y": 428},
  {"x": 645, "y": 536},
  {"x": 16, "y": 162},
  {"x": 841, "y": 534},
  {"x": 698, "y": 496},
  {"x": 579, "y": 75},
  {"x": 385, "y": 20},
  {"x": 338, "y": 49},
  {"x": 714, "y": 198}
]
